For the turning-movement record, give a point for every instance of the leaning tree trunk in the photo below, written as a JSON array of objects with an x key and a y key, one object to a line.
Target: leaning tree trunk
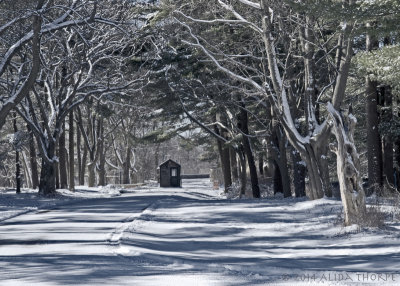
[
  {"x": 244, "y": 128},
  {"x": 348, "y": 166},
  {"x": 28, "y": 178}
]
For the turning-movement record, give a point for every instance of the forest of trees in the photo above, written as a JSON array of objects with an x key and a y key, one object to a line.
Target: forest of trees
[{"x": 301, "y": 94}]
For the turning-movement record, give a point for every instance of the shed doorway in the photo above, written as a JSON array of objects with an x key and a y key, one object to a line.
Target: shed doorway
[{"x": 175, "y": 181}]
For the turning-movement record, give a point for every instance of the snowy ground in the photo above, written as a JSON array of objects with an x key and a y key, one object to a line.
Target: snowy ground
[{"x": 189, "y": 236}]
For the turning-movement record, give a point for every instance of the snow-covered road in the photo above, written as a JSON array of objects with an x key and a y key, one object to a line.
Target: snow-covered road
[{"x": 191, "y": 236}]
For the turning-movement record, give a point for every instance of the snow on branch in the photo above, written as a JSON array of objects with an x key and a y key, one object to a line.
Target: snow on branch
[{"x": 251, "y": 4}]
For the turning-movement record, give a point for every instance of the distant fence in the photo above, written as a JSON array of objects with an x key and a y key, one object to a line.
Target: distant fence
[{"x": 195, "y": 176}]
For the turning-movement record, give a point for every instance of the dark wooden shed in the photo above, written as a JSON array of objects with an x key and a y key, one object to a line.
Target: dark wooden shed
[{"x": 170, "y": 174}]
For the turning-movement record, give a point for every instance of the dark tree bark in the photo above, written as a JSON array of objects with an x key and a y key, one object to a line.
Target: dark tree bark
[
  {"x": 47, "y": 185},
  {"x": 299, "y": 171},
  {"x": 102, "y": 164},
  {"x": 244, "y": 127},
  {"x": 243, "y": 173},
  {"x": 261, "y": 163},
  {"x": 126, "y": 167},
  {"x": 277, "y": 179},
  {"x": 56, "y": 170},
  {"x": 283, "y": 163},
  {"x": 234, "y": 164},
  {"x": 387, "y": 117},
  {"x": 32, "y": 157},
  {"x": 225, "y": 161},
  {"x": 71, "y": 152},
  {"x": 83, "y": 166},
  {"x": 276, "y": 159},
  {"x": 397, "y": 160},
  {"x": 62, "y": 163},
  {"x": 17, "y": 161},
  {"x": 374, "y": 150}
]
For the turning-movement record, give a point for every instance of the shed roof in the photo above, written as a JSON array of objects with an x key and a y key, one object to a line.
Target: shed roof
[{"x": 169, "y": 160}]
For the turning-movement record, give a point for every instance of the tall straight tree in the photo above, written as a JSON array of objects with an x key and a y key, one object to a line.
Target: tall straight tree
[
  {"x": 374, "y": 149},
  {"x": 71, "y": 151}
]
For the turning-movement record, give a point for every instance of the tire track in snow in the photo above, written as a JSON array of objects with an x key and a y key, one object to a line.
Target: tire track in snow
[{"x": 114, "y": 238}]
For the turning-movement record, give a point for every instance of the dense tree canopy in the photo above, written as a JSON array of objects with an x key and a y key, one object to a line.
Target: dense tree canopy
[{"x": 266, "y": 91}]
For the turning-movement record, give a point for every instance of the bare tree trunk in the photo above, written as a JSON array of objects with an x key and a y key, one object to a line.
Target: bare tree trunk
[
  {"x": 56, "y": 170},
  {"x": 283, "y": 164},
  {"x": 387, "y": 117},
  {"x": 92, "y": 168},
  {"x": 225, "y": 161},
  {"x": 78, "y": 154},
  {"x": 243, "y": 173},
  {"x": 374, "y": 151},
  {"x": 32, "y": 157},
  {"x": 83, "y": 166},
  {"x": 348, "y": 166},
  {"x": 71, "y": 153},
  {"x": 261, "y": 163},
  {"x": 126, "y": 167},
  {"x": 244, "y": 127},
  {"x": 28, "y": 178},
  {"x": 299, "y": 172},
  {"x": 47, "y": 184},
  {"x": 310, "y": 97},
  {"x": 316, "y": 185},
  {"x": 91, "y": 173},
  {"x": 156, "y": 161},
  {"x": 226, "y": 168},
  {"x": 102, "y": 165},
  {"x": 17, "y": 161},
  {"x": 397, "y": 164},
  {"x": 277, "y": 179},
  {"x": 62, "y": 163},
  {"x": 234, "y": 164}
]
